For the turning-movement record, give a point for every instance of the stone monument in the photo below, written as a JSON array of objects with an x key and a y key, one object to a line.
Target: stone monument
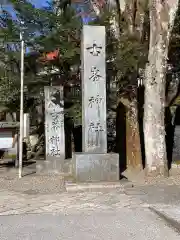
[
  {"x": 54, "y": 130},
  {"x": 94, "y": 90},
  {"x": 94, "y": 164}
]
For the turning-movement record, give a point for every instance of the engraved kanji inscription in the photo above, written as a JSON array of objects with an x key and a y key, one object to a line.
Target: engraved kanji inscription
[
  {"x": 57, "y": 121},
  {"x": 94, "y": 134},
  {"x": 54, "y": 151},
  {"x": 94, "y": 50},
  {"x": 96, "y": 127},
  {"x": 95, "y": 76},
  {"x": 94, "y": 100},
  {"x": 54, "y": 140},
  {"x": 54, "y": 147}
]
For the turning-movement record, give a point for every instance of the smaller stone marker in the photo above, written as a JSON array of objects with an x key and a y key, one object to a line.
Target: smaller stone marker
[{"x": 54, "y": 130}]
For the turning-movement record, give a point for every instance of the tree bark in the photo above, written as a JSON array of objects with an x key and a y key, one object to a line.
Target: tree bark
[
  {"x": 162, "y": 15},
  {"x": 134, "y": 158},
  {"x": 133, "y": 148}
]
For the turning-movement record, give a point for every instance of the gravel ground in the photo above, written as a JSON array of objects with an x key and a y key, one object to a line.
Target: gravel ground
[
  {"x": 34, "y": 184},
  {"x": 126, "y": 224},
  {"x": 121, "y": 212}
]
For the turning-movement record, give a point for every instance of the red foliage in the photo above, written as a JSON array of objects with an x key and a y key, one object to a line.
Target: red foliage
[{"x": 50, "y": 56}]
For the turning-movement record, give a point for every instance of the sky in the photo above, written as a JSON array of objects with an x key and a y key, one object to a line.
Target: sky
[
  {"x": 43, "y": 3},
  {"x": 39, "y": 3}
]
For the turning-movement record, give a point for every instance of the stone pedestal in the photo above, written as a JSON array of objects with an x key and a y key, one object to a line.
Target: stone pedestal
[
  {"x": 51, "y": 166},
  {"x": 88, "y": 167}
]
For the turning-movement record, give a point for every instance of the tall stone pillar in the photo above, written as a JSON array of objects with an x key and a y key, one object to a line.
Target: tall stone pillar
[
  {"x": 94, "y": 90},
  {"x": 94, "y": 164}
]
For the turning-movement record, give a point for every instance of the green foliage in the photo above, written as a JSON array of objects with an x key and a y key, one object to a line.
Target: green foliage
[
  {"x": 131, "y": 55},
  {"x": 43, "y": 31},
  {"x": 125, "y": 54},
  {"x": 9, "y": 77}
]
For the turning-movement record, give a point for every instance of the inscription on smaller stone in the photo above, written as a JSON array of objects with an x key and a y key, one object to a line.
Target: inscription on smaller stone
[
  {"x": 54, "y": 140},
  {"x": 54, "y": 127},
  {"x": 54, "y": 151},
  {"x": 57, "y": 120}
]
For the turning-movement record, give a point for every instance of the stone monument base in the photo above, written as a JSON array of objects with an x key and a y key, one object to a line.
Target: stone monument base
[
  {"x": 95, "y": 167},
  {"x": 50, "y": 166}
]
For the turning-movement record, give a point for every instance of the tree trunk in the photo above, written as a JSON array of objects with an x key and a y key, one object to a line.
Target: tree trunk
[
  {"x": 134, "y": 158},
  {"x": 133, "y": 148},
  {"x": 162, "y": 14}
]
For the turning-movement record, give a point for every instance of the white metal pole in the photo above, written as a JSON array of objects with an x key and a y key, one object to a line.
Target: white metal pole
[{"x": 21, "y": 108}]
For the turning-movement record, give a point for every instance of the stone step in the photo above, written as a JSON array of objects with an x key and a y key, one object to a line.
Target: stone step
[{"x": 76, "y": 187}]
